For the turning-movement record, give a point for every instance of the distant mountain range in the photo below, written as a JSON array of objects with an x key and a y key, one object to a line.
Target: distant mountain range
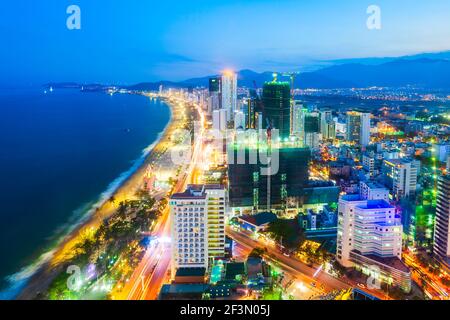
[{"x": 429, "y": 70}]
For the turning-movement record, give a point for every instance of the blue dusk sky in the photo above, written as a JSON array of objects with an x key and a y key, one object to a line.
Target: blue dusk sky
[{"x": 147, "y": 40}]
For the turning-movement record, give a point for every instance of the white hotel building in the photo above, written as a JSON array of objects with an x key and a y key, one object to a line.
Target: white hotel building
[
  {"x": 370, "y": 234},
  {"x": 197, "y": 226}
]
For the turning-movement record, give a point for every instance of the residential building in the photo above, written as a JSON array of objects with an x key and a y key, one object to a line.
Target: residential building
[{"x": 441, "y": 248}]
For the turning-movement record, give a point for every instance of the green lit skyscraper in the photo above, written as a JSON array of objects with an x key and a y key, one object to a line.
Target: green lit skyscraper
[{"x": 277, "y": 107}]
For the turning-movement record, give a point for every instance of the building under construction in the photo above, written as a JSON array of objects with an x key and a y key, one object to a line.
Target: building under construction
[
  {"x": 277, "y": 107},
  {"x": 250, "y": 188}
]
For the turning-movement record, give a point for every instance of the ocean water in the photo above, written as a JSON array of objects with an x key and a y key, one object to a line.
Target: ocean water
[{"x": 60, "y": 154}]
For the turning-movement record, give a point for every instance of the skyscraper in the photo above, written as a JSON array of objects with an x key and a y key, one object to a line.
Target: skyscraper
[
  {"x": 441, "y": 246},
  {"x": 214, "y": 85},
  {"x": 277, "y": 107},
  {"x": 358, "y": 127},
  {"x": 298, "y": 120},
  {"x": 214, "y": 99},
  {"x": 252, "y": 110},
  {"x": 229, "y": 93},
  {"x": 364, "y": 138},
  {"x": 327, "y": 126}
]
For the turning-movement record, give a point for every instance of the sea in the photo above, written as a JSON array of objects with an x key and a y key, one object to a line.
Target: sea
[{"x": 63, "y": 152}]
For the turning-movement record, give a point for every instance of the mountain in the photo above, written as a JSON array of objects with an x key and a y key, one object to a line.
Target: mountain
[
  {"x": 426, "y": 73},
  {"x": 422, "y": 72},
  {"x": 427, "y": 70},
  {"x": 444, "y": 55}
]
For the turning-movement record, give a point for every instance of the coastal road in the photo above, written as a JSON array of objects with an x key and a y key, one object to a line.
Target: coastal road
[{"x": 152, "y": 271}]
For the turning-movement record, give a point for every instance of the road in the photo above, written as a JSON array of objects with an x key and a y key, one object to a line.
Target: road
[
  {"x": 153, "y": 270},
  {"x": 289, "y": 264},
  {"x": 299, "y": 269},
  {"x": 422, "y": 275}
]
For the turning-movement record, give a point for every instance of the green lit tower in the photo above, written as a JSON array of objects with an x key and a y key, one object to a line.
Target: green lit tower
[{"x": 277, "y": 107}]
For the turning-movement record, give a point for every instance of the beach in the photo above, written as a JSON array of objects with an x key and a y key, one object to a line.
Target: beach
[{"x": 39, "y": 282}]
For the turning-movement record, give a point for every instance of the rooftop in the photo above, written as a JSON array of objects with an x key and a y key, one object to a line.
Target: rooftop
[
  {"x": 196, "y": 191},
  {"x": 190, "y": 272},
  {"x": 392, "y": 262},
  {"x": 259, "y": 218},
  {"x": 376, "y": 204}
]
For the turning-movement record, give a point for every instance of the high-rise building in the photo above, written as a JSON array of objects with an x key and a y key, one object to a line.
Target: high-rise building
[
  {"x": 312, "y": 140},
  {"x": 277, "y": 107},
  {"x": 252, "y": 111},
  {"x": 298, "y": 112},
  {"x": 441, "y": 151},
  {"x": 441, "y": 248},
  {"x": 369, "y": 226},
  {"x": 364, "y": 139},
  {"x": 370, "y": 234},
  {"x": 312, "y": 122},
  {"x": 401, "y": 176},
  {"x": 358, "y": 127},
  {"x": 327, "y": 125},
  {"x": 229, "y": 93},
  {"x": 220, "y": 119},
  {"x": 214, "y": 85},
  {"x": 239, "y": 120},
  {"x": 197, "y": 226},
  {"x": 213, "y": 102}
]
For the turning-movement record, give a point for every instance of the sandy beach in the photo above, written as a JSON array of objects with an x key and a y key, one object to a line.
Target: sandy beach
[{"x": 40, "y": 281}]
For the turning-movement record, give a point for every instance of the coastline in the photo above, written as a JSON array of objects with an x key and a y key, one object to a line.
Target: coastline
[{"x": 126, "y": 189}]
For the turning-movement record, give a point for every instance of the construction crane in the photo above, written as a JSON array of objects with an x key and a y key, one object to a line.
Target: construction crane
[{"x": 292, "y": 76}]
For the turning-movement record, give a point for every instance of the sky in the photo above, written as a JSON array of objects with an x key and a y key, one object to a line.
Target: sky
[{"x": 130, "y": 41}]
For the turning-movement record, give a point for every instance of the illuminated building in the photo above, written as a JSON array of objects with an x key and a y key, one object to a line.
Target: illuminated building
[
  {"x": 239, "y": 120},
  {"x": 373, "y": 190},
  {"x": 401, "y": 176},
  {"x": 198, "y": 225},
  {"x": 358, "y": 127},
  {"x": 229, "y": 93},
  {"x": 441, "y": 246},
  {"x": 298, "y": 120},
  {"x": 312, "y": 140},
  {"x": 441, "y": 152},
  {"x": 370, "y": 234},
  {"x": 277, "y": 107},
  {"x": 327, "y": 125},
  {"x": 252, "y": 111}
]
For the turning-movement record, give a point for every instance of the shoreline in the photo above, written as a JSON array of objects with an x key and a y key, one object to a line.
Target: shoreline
[{"x": 44, "y": 275}]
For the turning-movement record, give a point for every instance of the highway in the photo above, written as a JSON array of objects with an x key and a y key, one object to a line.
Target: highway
[{"x": 422, "y": 275}]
